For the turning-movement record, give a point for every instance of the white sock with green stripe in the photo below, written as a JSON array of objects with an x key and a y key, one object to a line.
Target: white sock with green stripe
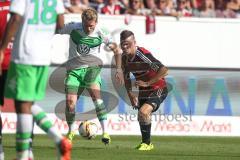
[
  {"x": 45, "y": 123},
  {"x": 23, "y": 135},
  {"x": 101, "y": 114}
]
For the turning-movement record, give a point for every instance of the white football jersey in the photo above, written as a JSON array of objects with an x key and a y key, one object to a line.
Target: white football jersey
[
  {"x": 84, "y": 50},
  {"x": 33, "y": 40}
]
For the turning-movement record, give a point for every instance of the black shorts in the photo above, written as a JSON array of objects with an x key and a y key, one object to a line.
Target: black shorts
[
  {"x": 3, "y": 78},
  {"x": 154, "y": 99}
]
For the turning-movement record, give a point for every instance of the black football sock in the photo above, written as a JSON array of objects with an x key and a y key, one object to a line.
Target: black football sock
[{"x": 146, "y": 133}]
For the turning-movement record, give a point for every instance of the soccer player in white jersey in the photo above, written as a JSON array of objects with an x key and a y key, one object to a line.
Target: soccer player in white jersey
[
  {"x": 32, "y": 23},
  {"x": 83, "y": 67}
]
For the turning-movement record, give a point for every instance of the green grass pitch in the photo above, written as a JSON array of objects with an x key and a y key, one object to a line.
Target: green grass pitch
[{"x": 121, "y": 148}]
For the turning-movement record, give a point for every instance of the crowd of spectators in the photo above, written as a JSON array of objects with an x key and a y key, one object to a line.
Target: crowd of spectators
[{"x": 176, "y": 8}]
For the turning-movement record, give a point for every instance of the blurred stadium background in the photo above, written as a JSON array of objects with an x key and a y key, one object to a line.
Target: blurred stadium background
[{"x": 202, "y": 55}]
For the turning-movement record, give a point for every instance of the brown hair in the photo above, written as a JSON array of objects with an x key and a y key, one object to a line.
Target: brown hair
[{"x": 125, "y": 34}]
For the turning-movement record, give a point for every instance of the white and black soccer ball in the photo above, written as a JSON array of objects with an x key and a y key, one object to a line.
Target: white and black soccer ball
[{"x": 88, "y": 129}]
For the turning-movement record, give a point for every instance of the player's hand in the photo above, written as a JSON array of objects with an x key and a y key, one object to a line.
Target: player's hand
[
  {"x": 1, "y": 60},
  {"x": 134, "y": 100},
  {"x": 142, "y": 83},
  {"x": 119, "y": 77},
  {"x": 1, "y": 56}
]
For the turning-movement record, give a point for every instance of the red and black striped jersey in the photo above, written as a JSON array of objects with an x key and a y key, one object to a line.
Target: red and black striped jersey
[{"x": 144, "y": 66}]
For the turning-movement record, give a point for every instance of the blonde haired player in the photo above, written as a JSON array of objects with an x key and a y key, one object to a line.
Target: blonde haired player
[{"x": 84, "y": 66}]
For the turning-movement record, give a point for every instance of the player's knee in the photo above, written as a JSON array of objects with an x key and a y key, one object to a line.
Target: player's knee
[
  {"x": 144, "y": 111},
  {"x": 144, "y": 117}
]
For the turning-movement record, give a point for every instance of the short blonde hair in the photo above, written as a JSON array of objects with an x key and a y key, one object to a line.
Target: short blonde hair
[{"x": 89, "y": 14}]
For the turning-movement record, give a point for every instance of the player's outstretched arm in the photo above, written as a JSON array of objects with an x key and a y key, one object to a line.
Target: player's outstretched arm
[
  {"x": 117, "y": 53},
  {"x": 118, "y": 59}
]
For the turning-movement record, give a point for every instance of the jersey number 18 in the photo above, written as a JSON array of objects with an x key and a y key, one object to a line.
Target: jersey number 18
[{"x": 48, "y": 14}]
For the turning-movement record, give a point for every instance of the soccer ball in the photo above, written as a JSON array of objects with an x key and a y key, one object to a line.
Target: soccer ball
[{"x": 88, "y": 129}]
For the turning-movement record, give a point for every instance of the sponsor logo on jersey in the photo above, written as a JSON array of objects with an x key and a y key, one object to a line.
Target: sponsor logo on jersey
[{"x": 83, "y": 49}]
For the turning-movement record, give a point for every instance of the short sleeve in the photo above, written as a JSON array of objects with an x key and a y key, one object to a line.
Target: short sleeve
[
  {"x": 18, "y": 7},
  {"x": 60, "y": 7}
]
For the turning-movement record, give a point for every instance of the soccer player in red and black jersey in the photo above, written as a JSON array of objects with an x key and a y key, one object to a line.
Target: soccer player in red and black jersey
[
  {"x": 149, "y": 74},
  {"x": 5, "y": 59}
]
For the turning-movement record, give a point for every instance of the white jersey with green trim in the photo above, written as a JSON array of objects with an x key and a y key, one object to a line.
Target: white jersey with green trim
[
  {"x": 84, "y": 50},
  {"x": 33, "y": 39}
]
